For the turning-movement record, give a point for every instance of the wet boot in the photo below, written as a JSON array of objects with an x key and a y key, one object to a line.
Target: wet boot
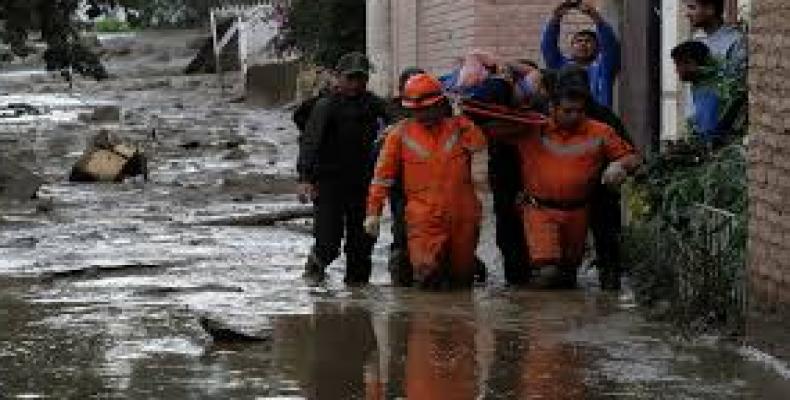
[
  {"x": 401, "y": 274},
  {"x": 437, "y": 278},
  {"x": 517, "y": 275},
  {"x": 609, "y": 279},
  {"x": 358, "y": 270},
  {"x": 314, "y": 270},
  {"x": 517, "y": 271},
  {"x": 566, "y": 278},
  {"x": 481, "y": 272}
]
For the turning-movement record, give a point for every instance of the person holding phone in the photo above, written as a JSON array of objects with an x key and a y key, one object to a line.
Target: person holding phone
[{"x": 597, "y": 51}]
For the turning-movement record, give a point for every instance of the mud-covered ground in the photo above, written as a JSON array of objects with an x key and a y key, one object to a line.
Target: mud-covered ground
[{"x": 101, "y": 286}]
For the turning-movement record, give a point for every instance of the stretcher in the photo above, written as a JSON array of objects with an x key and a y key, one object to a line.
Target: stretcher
[{"x": 477, "y": 109}]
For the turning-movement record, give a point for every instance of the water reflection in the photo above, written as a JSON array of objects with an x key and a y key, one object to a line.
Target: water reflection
[
  {"x": 327, "y": 353},
  {"x": 437, "y": 352}
]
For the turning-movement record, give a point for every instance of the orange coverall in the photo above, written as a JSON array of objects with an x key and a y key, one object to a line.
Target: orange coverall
[
  {"x": 443, "y": 212},
  {"x": 559, "y": 169},
  {"x": 440, "y": 361}
]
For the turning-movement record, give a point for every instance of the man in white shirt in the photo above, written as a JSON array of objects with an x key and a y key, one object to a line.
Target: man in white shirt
[{"x": 726, "y": 43}]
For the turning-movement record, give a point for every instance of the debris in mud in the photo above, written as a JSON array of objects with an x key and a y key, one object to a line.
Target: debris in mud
[
  {"x": 234, "y": 143},
  {"x": 260, "y": 184},
  {"x": 220, "y": 332},
  {"x": 17, "y": 182},
  {"x": 107, "y": 160},
  {"x": 22, "y": 243},
  {"x": 45, "y": 206},
  {"x": 236, "y": 155},
  {"x": 244, "y": 198},
  {"x": 190, "y": 145},
  {"x": 163, "y": 291},
  {"x": 266, "y": 219},
  {"x": 302, "y": 227},
  {"x": 102, "y": 114},
  {"x": 16, "y": 110},
  {"x": 95, "y": 271}
]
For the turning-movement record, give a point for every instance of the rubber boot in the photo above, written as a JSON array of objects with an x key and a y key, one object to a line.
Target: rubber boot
[
  {"x": 517, "y": 274},
  {"x": 565, "y": 278},
  {"x": 314, "y": 270},
  {"x": 358, "y": 270},
  {"x": 401, "y": 274},
  {"x": 609, "y": 279},
  {"x": 481, "y": 272}
]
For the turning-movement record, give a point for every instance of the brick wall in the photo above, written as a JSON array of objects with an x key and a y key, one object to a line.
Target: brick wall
[
  {"x": 769, "y": 174},
  {"x": 512, "y": 28},
  {"x": 445, "y": 30},
  {"x": 404, "y": 34},
  {"x": 433, "y": 33}
]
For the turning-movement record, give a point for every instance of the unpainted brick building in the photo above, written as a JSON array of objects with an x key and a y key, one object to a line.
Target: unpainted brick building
[{"x": 769, "y": 177}]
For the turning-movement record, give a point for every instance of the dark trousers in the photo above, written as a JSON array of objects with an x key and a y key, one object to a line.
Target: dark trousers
[
  {"x": 340, "y": 211},
  {"x": 399, "y": 264},
  {"x": 606, "y": 226},
  {"x": 504, "y": 174}
]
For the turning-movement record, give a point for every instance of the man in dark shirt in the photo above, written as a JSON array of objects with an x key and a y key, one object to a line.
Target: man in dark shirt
[
  {"x": 335, "y": 167},
  {"x": 505, "y": 181}
]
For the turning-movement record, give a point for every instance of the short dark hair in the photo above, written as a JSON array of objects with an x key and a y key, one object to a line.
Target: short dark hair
[
  {"x": 718, "y": 5},
  {"x": 573, "y": 75},
  {"x": 692, "y": 50},
  {"x": 527, "y": 61},
  {"x": 548, "y": 78},
  {"x": 571, "y": 93},
  {"x": 554, "y": 80},
  {"x": 588, "y": 33}
]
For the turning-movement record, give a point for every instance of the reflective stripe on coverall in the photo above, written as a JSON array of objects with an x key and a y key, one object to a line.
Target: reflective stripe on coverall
[
  {"x": 563, "y": 166},
  {"x": 443, "y": 212}
]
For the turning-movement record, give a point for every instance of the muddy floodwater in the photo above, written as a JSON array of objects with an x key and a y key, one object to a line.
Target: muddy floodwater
[{"x": 102, "y": 286}]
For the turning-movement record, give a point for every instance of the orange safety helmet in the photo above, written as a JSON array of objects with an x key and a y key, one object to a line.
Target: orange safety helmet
[{"x": 421, "y": 91}]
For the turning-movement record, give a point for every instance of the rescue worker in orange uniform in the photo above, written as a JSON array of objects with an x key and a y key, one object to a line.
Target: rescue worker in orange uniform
[
  {"x": 433, "y": 154},
  {"x": 561, "y": 165}
]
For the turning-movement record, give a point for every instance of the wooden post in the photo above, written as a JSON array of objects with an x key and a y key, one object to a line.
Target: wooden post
[
  {"x": 731, "y": 12},
  {"x": 640, "y": 98},
  {"x": 242, "y": 29},
  {"x": 217, "y": 52}
]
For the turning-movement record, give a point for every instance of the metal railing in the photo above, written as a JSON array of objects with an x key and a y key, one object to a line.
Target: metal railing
[
  {"x": 703, "y": 250},
  {"x": 249, "y": 20}
]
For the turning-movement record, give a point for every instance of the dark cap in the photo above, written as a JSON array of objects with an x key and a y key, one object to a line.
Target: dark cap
[{"x": 353, "y": 63}]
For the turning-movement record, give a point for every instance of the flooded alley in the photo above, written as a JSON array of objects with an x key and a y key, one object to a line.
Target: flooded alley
[
  {"x": 185, "y": 282},
  {"x": 102, "y": 286}
]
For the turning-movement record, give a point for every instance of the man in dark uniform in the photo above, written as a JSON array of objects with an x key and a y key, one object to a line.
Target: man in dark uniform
[{"x": 335, "y": 167}]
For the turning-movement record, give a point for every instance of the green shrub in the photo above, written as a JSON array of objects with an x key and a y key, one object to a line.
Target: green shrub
[
  {"x": 686, "y": 244},
  {"x": 109, "y": 25}
]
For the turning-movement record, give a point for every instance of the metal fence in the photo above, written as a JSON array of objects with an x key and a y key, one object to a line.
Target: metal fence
[{"x": 697, "y": 258}]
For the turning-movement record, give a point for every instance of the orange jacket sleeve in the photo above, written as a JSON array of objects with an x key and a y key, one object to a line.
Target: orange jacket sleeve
[
  {"x": 473, "y": 138},
  {"x": 616, "y": 147},
  {"x": 387, "y": 171}
]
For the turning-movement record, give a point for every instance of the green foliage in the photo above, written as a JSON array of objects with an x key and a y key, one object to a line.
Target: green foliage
[
  {"x": 59, "y": 30},
  {"x": 322, "y": 31},
  {"x": 168, "y": 13},
  {"x": 687, "y": 241},
  {"x": 112, "y": 25},
  {"x": 56, "y": 20}
]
